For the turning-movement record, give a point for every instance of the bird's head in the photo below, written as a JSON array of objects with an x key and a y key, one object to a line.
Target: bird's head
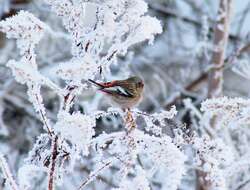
[{"x": 139, "y": 84}]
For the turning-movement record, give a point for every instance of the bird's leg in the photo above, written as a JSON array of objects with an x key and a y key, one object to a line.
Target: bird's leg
[{"x": 130, "y": 123}]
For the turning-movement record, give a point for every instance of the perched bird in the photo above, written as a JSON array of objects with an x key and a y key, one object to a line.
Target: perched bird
[{"x": 125, "y": 93}]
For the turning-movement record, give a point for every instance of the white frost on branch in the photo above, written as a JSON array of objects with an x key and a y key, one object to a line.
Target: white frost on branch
[
  {"x": 77, "y": 129},
  {"x": 26, "y": 28},
  {"x": 213, "y": 156},
  {"x": 231, "y": 111},
  {"x": 165, "y": 114},
  {"x": 5, "y": 170},
  {"x": 155, "y": 121},
  {"x": 40, "y": 151},
  {"x": 101, "y": 30},
  {"x": 163, "y": 155},
  {"x": 28, "y": 173},
  {"x": 140, "y": 182},
  {"x": 25, "y": 72},
  {"x": 77, "y": 69},
  {"x": 159, "y": 154}
]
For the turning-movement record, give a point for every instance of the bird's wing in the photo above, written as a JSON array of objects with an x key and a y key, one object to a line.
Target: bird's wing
[
  {"x": 112, "y": 88},
  {"x": 119, "y": 91}
]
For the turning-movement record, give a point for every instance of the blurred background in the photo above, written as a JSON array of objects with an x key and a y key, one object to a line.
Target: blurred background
[{"x": 175, "y": 67}]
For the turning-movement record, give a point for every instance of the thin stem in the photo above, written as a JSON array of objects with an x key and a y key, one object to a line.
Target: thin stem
[
  {"x": 7, "y": 173},
  {"x": 92, "y": 176},
  {"x": 130, "y": 123},
  {"x": 43, "y": 117},
  {"x": 53, "y": 163}
]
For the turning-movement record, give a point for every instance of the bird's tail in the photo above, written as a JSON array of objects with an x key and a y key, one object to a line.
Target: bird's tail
[{"x": 96, "y": 84}]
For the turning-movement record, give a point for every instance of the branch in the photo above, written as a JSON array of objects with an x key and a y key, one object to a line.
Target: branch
[
  {"x": 231, "y": 59},
  {"x": 168, "y": 12},
  {"x": 242, "y": 185},
  {"x": 99, "y": 177},
  {"x": 7, "y": 173},
  {"x": 221, "y": 33},
  {"x": 53, "y": 163},
  {"x": 196, "y": 83},
  {"x": 130, "y": 123},
  {"x": 43, "y": 116},
  {"x": 69, "y": 97},
  {"x": 92, "y": 176}
]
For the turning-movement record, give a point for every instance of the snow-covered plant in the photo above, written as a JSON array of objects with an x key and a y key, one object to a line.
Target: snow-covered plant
[
  {"x": 155, "y": 122},
  {"x": 99, "y": 30},
  {"x": 77, "y": 129},
  {"x": 28, "y": 30},
  {"x": 85, "y": 145},
  {"x": 217, "y": 153},
  {"x": 7, "y": 173},
  {"x": 213, "y": 156},
  {"x": 231, "y": 111},
  {"x": 141, "y": 150}
]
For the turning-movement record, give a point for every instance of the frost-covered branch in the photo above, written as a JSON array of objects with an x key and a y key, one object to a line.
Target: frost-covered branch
[
  {"x": 7, "y": 173},
  {"x": 52, "y": 167},
  {"x": 94, "y": 174}
]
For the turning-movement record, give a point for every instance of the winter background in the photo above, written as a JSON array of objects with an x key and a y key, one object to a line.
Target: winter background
[{"x": 192, "y": 126}]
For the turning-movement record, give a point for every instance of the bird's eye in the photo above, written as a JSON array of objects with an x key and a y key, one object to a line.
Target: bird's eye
[{"x": 140, "y": 84}]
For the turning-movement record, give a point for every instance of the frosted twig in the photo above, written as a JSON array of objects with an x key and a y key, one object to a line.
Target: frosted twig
[
  {"x": 142, "y": 113},
  {"x": 93, "y": 175},
  {"x": 69, "y": 97},
  {"x": 7, "y": 173},
  {"x": 43, "y": 117},
  {"x": 53, "y": 163},
  {"x": 130, "y": 123}
]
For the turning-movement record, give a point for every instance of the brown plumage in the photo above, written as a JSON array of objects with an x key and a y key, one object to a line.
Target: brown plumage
[{"x": 125, "y": 93}]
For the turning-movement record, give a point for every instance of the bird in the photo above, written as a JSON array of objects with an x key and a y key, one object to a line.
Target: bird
[{"x": 124, "y": 93}]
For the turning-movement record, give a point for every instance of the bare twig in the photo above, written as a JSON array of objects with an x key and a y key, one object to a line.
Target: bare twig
[
  {"x": 221, "y": 33},
  {"x": 242, "y": 185},
  {"x": 196, "y": 83},
  {"x": 231, "y": 59},
  {"x": 167, "y": 12},
  {"x": 112, "y": 55}
]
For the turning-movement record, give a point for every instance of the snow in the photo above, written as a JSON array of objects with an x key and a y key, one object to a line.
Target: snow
[
  {"x": 147, "y": 156},
  {"x": 115, "y": 26},
  {"x": 77, "y": 129},
  {"x": 26, "y": 28}
]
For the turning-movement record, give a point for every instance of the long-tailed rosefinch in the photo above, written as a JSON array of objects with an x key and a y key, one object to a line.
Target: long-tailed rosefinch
[{"x": 125, "y": 93}]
